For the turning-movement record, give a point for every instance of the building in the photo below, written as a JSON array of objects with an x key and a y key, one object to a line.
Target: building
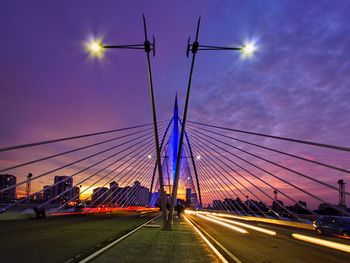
[
  {"x": 7, "y": 180},
  {"x": 138, "y": 195},
  {"x": 75, "y": 194},
  {"x": 188, "y": 197},
  {"x": 342, "y": 202},
  {"x": 218, "y": 205},
  {"x": 62, "y": 187},
  {"x": 47, "y": 193},
  {"x": 99, "y": 195}
]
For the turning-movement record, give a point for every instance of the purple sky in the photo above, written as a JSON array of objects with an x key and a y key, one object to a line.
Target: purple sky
[{"x": 297, "y": 85}]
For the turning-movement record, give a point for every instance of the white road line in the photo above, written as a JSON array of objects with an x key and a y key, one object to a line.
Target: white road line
[
  {"x": 221, "y": 246},
  {"x": 98, "y": 252},
  {"x": 211, "y": 245}
]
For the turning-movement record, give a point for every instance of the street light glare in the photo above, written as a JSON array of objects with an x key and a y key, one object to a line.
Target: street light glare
[
  {"x": 248, "y": 49},
  {"x": 94, "y": 47}
]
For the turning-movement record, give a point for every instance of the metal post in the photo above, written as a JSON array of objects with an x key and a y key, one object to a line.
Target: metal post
[
  {"x": 178, "y": 162},
  {"x": 147, "y": 46}
]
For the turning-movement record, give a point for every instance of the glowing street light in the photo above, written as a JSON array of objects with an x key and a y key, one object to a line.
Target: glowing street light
[
  {"x": 248, "y": 50},
  {"x": 95, "y": 48},
  {"x": 149, "y": 156},
  {"x": 198, "y": 157}
]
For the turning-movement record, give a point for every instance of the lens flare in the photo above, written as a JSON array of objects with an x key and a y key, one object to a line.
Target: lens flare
[
  {"x": 248, "y": 49},
  {"x": 94, "y": 47}
]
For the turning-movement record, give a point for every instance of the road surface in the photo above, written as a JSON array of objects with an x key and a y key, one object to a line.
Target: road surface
[
  {"x": 59, "y": 239},
  {"x": 255, "y": 247}
]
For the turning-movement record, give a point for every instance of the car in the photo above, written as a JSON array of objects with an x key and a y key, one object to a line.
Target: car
[{"x": 330, "y": 225}]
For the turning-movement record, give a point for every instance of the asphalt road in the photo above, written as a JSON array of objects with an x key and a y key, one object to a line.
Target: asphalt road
[
  {"x": 256, "y": 247},
  {"x": 59, "y": 239}
]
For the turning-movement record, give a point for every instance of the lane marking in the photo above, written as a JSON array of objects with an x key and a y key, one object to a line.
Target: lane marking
[
  {"x": 220, "y": 245},
  {"x": 259, "y": 229},
  {"x": 219, "y": 255},
  {"x": 322, "y": 242},
  {"x": 98, "y": 252}
]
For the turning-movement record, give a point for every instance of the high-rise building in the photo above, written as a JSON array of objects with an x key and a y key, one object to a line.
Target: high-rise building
[
  {"x": 62, "y": 184},
  {"x": 47, "y": 192},
  {"x": 188, "y": 197},
  {"x": 113, "y": 192},
  {"x": 99, "y": 195},
  {"x": 75, "y": 194},
  {"x": 138, "y": 195},
  {"x": 7, "y": 180},
  {"x": 218, "y": 204},
  {"x": 342, "y": 202}
]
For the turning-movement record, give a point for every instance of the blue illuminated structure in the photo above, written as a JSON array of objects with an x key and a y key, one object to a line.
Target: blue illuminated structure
[{"x": 169, "y": 150}]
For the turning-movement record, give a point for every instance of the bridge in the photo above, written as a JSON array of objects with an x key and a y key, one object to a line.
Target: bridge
[
  {"x": 174, "y": 190},
  {"x": 235, "y": 199}
]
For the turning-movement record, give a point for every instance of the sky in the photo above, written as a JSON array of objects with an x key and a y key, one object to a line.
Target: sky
[{"x": 296, "y": 85}]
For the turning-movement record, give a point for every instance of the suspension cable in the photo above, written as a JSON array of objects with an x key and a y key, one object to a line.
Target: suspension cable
[
  {"x": 277, "y": 177},
  {"x": 335, "y": 147},
  {"x": 70, "y": 151},
  {"x": 20, "y": 146},
  {"x": 276, "y": 164},
  {"x": 277, "y": 151}
]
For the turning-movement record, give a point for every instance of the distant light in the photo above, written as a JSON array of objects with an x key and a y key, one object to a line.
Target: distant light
[
  {"x": 198, "y": 157},
  {"x": 188, "y": 178},
  {"x": 94, "y": 47},
  {"x": 248, "y": 49},
  {"x": 149, "y": 156},
  {"x": 322, "y": 242}
]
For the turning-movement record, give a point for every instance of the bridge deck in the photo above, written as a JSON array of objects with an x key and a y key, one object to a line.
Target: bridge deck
[{"x": 150, "y": 244}]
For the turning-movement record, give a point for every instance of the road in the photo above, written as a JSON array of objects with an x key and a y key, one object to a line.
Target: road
[
  {"x": 59, "y": 239},
  {"x": 258, "y": 247}
]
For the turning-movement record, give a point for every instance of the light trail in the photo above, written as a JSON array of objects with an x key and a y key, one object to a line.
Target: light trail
[
  {"x": 322, "y": 242},
  {"x": 259, "y": 229},
  {"x": 238, "y": 229},
  {"x": 220, "y": 256}
]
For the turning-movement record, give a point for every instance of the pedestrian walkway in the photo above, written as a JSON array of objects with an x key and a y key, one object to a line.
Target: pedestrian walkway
[{"x": 151, "y": 244}]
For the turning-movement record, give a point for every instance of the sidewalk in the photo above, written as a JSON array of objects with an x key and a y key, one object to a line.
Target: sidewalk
[{"x": 150, "y": 244}]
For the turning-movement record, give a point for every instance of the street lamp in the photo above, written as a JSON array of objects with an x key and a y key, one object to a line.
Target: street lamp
[
  {"x": 247, "y": 50},
  {"x": 96, "y": 49}
]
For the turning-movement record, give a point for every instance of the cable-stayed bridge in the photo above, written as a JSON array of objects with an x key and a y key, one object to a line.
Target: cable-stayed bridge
[
  {"x": 112, "y": 196},
  {"x": 245, "y": 180}
]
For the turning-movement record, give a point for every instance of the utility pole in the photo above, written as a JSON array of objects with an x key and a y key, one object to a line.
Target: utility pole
[
  {"x": 96, "y": 48},
  {"x": 342, "y": 202},
  {"x": 147, "y": 46},
  {"x": 182, "y": 134}
]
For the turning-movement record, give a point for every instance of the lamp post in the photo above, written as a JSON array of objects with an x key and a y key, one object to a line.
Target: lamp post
[
  {"x": 247, "y": 50},
  {"x": 96, "y": 48}
]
